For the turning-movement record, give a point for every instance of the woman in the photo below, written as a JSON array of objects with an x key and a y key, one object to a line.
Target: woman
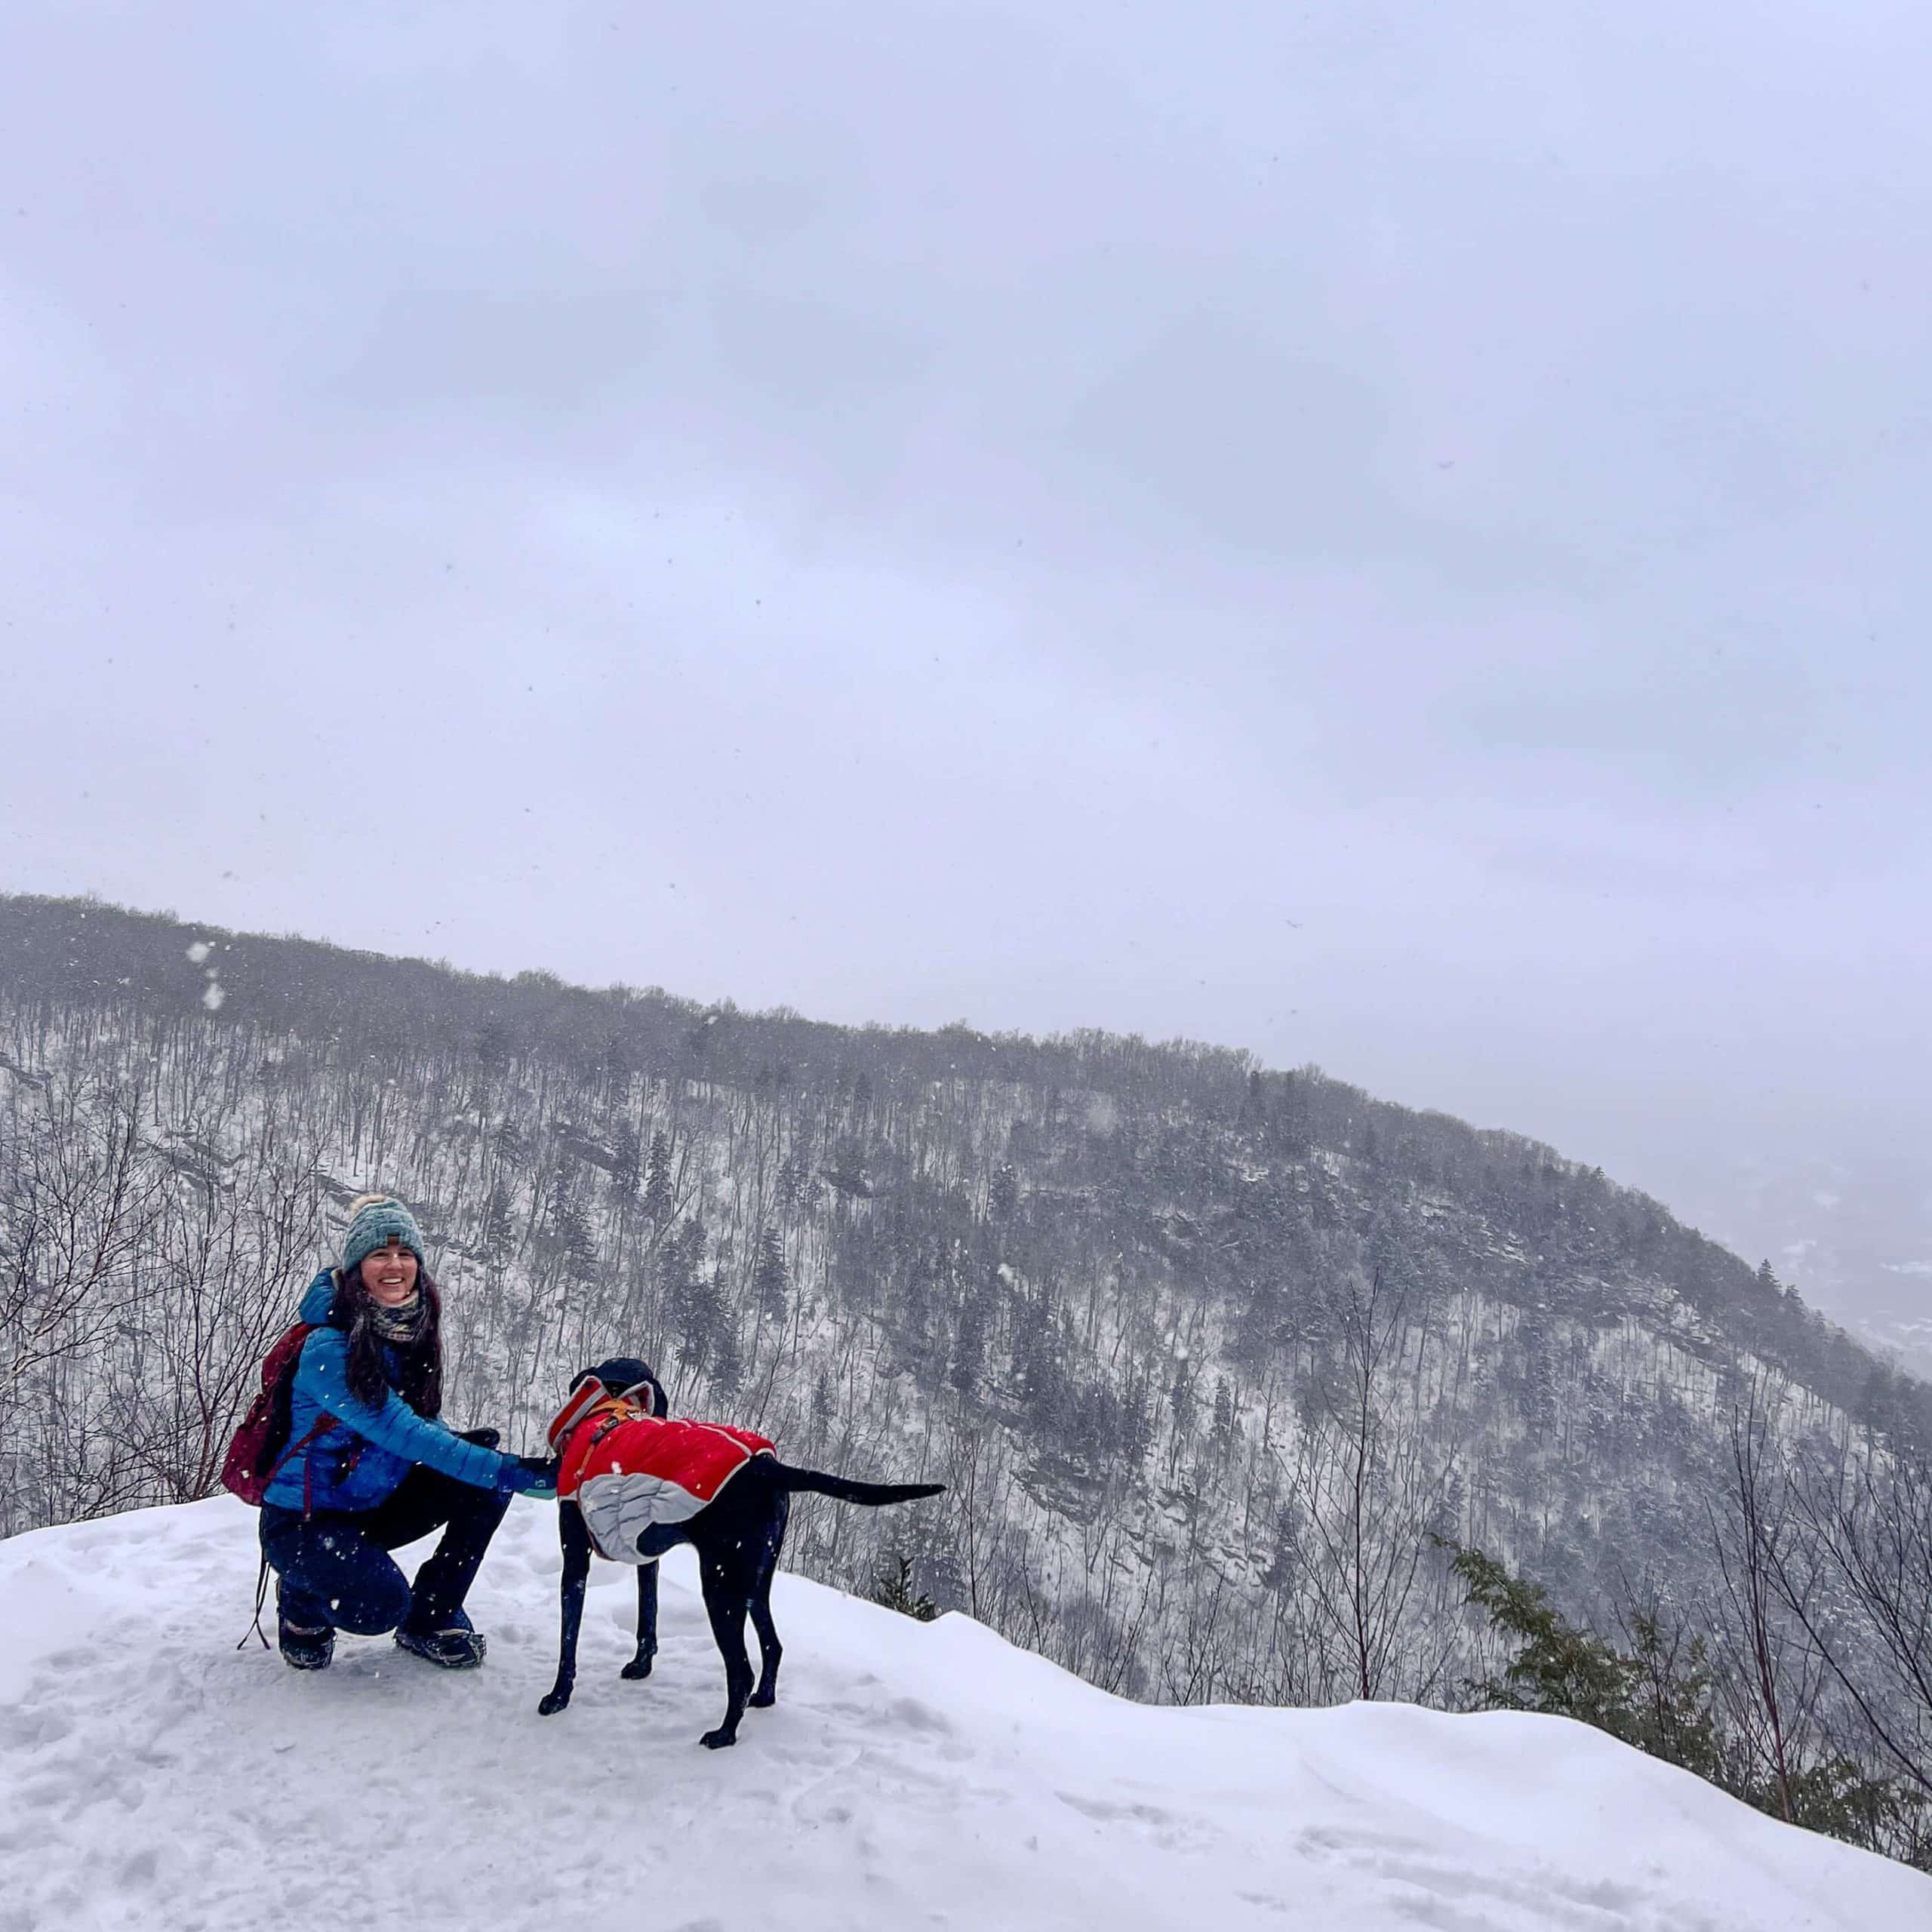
[{"x": 371, "y": 1468}]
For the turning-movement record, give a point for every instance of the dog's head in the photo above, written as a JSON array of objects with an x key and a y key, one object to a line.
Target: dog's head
[
  {"x": 628, "y": 1375},
  {"x": 625, "y": 1376}
]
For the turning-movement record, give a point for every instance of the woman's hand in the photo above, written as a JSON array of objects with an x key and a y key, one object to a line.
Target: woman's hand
[{"x": 534, "y": 1476}]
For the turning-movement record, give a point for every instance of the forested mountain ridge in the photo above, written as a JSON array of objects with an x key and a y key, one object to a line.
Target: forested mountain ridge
[
  {"x": 1206, "y": 1352},
  {"x": 1561, "y": 1219}
]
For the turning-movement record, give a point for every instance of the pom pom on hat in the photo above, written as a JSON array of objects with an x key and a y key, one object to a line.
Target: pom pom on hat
[{"x": 374, "y": 1221}]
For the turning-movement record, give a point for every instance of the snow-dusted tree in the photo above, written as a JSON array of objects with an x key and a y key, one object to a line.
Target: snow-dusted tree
[
  {"x": 1866, "y": 1517},
  {"x": 1773, "y": 1675},
  {"x": 1374, "y": 1488}
]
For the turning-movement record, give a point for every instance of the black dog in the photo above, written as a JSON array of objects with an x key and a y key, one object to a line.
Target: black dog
[{"x": 737, "y": 1536}]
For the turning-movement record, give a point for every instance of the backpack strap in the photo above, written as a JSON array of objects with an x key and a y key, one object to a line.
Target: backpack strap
[
  {"x": 261, "y": 1598},
  {"x": 324, "y": 1423}
]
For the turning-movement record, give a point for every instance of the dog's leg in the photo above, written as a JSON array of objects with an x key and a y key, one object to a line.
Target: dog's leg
[
  {"x": 770, "y": 1649},
  {"x": 576, "y": 1540},
  {"x": 646, "y": 1622},
  {"x": 728, "y": 1573}
]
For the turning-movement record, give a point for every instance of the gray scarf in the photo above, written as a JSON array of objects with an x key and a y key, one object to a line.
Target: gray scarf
[{"x": 402, "y": 1324}]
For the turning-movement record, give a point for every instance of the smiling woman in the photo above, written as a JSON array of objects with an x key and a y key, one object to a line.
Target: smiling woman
[
  {"x": 389, "y": 1275},
  {"x": 374, "y": 1467}
]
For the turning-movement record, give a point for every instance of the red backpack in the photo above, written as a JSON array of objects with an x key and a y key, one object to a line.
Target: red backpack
[{"x": 257, "y": 1451}]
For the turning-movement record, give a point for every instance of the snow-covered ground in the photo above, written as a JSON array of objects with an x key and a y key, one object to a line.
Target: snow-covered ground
[{"x": 153, "y": 1776}]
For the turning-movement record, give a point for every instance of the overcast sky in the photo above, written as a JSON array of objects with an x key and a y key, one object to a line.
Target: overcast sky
[{"x": 1387, "y": 535}]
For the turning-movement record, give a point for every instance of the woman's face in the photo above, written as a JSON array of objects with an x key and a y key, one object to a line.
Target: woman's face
[{"x": 389, "y": 1275}]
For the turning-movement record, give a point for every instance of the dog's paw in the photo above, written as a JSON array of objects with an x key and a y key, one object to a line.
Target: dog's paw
[
  {"x": 762, "y": 1700},
  {"x": 637, "y": 1667},
  {"x": 716, "y": 1740},
  {"x": 554, "y": 1701}
]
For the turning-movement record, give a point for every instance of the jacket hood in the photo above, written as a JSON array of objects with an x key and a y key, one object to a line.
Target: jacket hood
[
  {"x": 588, "y": 1398},
  {"x": 318, "y": 1297}
]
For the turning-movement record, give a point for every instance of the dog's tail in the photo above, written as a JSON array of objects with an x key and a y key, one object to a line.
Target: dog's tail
[{"x": 873, "y": 1495}]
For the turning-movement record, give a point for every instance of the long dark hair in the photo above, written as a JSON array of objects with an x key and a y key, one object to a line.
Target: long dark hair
[{"x": 420, "y": 1382}]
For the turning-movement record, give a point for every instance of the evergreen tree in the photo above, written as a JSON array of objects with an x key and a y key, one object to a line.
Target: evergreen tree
[
  {"x": 1559, "y": 1669},
  {"x": 1005, "y": 1191},
  {"x": 499, "y": 1232},
  {"x": 793, "y": 1185},
  {"x": 727, "y": 1355},
  {"x": 1224, "y": 1418},
  {"x": 657, "y": 1202},
  {"x": 626, "y": 1170},
  {"x": 1657, "y": 1697},
  {"x": 969, "y": 1347},
  {"x": 692, "y": 1305},
  {"x": 579, "y": 1240},
  {"x": 771, "y": 1280},
  {"x": 892, "y": 1586}
]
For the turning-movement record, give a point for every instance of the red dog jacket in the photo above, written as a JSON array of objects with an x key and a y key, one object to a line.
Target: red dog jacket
[{"x": 630, "y": 1473}]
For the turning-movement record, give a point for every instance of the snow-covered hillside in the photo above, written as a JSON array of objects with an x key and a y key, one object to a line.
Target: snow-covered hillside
[{"x": 151, "y": 1776}]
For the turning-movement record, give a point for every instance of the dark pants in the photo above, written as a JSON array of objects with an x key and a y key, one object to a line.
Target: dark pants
[{"x": 335, "y": 1569}]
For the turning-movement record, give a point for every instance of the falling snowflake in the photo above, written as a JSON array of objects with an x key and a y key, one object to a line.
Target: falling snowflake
[
  {"x": 213, "y": 999},
  {"x": 199, "y": 951}
]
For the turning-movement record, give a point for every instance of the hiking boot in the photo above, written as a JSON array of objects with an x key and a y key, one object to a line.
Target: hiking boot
[
  {"x": 455, "y": 1646},
  {"x": 304, "y": 1649}
]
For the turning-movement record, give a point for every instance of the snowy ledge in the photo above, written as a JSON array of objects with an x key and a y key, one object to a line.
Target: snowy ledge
[{"x": 912, "y": 1775}]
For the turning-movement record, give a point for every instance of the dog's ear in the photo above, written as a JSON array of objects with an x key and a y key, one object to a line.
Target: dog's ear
[
  {"x": 645, "y": 1379},
  {"x": 582, "y": 1376}
]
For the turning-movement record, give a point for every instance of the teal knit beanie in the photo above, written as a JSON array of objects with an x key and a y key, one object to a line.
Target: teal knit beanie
[{"x": 374, "y": 1221}]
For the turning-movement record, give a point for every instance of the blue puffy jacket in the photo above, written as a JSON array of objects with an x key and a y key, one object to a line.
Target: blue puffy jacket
[{"x": 359, "y": 1462}]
